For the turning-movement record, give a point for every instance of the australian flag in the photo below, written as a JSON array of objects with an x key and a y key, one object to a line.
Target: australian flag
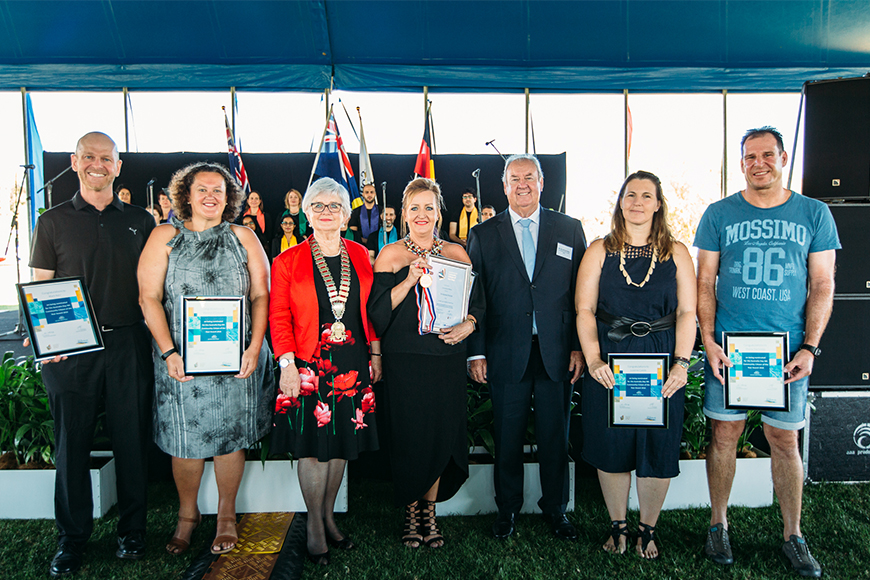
[
  {"x": 237, "y": 168},
  {"x": 332, "y": 161}
]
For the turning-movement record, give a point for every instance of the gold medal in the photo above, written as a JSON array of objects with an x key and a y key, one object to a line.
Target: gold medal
[
  {"x": 337, "y": 331},
  {"x": 425, "y": 280}
]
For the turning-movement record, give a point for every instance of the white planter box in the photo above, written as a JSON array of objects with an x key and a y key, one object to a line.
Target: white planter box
[
  {"x": 28, "y": 494},
  {"x": 477, "y": 494},
  {"x": 273, "y": 487},
  {"x": 753, "y": 485}
]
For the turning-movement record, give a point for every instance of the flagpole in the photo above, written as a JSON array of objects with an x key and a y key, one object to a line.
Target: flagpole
[
  {"x": 126, "y": 124},
  {"x": 319, "y": 148}
]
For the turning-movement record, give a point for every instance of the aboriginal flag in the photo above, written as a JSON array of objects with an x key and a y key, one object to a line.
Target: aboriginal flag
[{"x": 425, "y": 166}]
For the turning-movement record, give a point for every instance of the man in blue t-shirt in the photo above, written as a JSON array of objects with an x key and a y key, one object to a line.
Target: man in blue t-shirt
[{"x": 772, "y": 251}]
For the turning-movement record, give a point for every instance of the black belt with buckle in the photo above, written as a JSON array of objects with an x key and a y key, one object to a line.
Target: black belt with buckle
[{"x": 622, "y": 326}]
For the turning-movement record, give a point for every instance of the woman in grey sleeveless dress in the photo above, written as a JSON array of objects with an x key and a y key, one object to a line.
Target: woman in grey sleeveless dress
[{"x": 200, "y": 253}]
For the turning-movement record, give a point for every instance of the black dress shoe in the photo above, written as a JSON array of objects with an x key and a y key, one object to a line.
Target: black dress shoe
[
  {"x": 503, "y": 526},
  {"x": 343, "y": 544},
  {"x": 563, "y": 529},
  {"x": 131, "y": 546},
  {"x": 67, "y": 560}
]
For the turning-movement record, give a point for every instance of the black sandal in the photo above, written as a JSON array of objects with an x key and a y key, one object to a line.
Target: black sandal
[
  {"x": 619, "y": 528},
  {"x": 433, "y": 533},
  {"x": 647, "y": 535},
  {"x": 411, "y": 536}
]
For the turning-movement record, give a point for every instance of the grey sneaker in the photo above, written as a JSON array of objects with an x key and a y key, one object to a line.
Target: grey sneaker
[
  {"x": 718, "y": 546},
  {"x": 798, "y": 554}
]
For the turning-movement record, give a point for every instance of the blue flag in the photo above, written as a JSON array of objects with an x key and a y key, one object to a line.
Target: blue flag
[{"x": 34, "y": 156}]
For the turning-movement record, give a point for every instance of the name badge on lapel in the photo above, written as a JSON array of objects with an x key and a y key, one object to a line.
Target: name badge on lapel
[{"x": 564, "y": 251}]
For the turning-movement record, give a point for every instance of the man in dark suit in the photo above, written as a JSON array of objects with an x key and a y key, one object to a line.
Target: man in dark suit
[{"x": 526, "y": 259}]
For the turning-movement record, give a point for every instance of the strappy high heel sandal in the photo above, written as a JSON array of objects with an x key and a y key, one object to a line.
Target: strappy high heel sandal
[
  {"x": 411, "y": 536},
  {"x": 618, "y": 528},
  {"x": 648, "y": 534},
  {"x": 176, "y": 545},
  {"x": 433, "y": 534}
]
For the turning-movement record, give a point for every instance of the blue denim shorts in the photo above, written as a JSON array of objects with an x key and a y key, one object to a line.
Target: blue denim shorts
[{"x": 791, "y": 420}]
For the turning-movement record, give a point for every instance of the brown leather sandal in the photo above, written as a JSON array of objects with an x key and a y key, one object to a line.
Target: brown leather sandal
[
  {"x": 224, "y": 539},
  {"x": 176, "y": 545}
]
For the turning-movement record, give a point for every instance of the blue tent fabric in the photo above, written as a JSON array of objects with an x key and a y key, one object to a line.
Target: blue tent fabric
[{"x": 473, "y": 45}]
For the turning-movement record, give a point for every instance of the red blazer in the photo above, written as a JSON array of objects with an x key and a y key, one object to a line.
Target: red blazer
[{"x": 293, "y": 311}]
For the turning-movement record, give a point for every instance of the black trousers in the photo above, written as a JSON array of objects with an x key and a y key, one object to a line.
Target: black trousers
[
  {"x": 552, "y": 407},
  {"x": 122, "y": 377}
]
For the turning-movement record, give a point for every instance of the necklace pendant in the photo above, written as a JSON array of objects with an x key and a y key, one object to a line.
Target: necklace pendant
[{"x": 337, "y": 332}]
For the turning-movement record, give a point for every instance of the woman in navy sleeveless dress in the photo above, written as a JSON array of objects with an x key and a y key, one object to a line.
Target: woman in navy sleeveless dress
[{"x": 636, "y": 273}]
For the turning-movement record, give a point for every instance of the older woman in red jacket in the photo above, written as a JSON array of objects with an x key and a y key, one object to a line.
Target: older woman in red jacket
[{"x": 323, "y": 341}]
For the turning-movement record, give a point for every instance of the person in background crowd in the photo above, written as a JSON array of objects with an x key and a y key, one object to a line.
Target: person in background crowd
[
  {"x": 637, "y": 273},
  {"x": 322, "y": 335},
  {"x": 387, "y": 234},
  {"x": 486, "y": 212},
  {"x": 124, "y": 193},
  {"x": 365, "y": 219},
  {"x": 99, "y": 238},
  {"x": 155, "y": 211},
  {"x": 286, "y": 239},
  {"x": 424, "y": 370},
  {"x": 293, "y": 208},
  {"x": 201, "y": 253},
  {"x": 165, "y": 206},
  {"x": 528, "y": 345},
  {"x": 793, "y": 263},
  {"x": 466, "y": 219},
  {"x": 254, "y": 207}
]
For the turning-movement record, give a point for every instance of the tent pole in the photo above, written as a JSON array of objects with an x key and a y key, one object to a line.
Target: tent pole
[
  {"x": 625, "y": 129},
  {"x": 126, "y": 122},
  {"x": 724, "y": 180},
  {"x": 425, "y": 105},
  {"x": 527, "y": 119}
]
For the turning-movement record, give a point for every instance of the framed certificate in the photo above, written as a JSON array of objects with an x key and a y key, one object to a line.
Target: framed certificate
[
  {"x": 450, "y": 289},
  {"x": 213, "y": 328},
  {"x": 636, "y": 400},
  {"x": 60, "y": 318},
  {"x": 757, "y": 378}
]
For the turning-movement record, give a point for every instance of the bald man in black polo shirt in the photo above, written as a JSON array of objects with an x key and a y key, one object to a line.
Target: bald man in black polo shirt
[{"x": 99, "y": 238}]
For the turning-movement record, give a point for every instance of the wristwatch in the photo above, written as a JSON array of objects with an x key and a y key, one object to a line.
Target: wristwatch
[
  {"x": 814, "y": 350},
  {"x": 283, "y": 362}
]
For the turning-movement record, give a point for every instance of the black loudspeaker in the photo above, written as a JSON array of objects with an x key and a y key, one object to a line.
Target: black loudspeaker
[
  {"x": 837, "y": 437},
  {"x": 837, "y": 139},
  {"x": 853, "y": 265},
  {"x": 845, "y": 359}
]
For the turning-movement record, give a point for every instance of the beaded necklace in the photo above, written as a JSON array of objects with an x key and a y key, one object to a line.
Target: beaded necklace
[
  {"x": 412, "y": 247},
  {"x": 337, "y": 298},
  {"x": 628, "y": 280}
]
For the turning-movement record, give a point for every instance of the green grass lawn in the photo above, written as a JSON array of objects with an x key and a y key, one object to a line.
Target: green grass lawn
[{"x": 836, "y": 520}]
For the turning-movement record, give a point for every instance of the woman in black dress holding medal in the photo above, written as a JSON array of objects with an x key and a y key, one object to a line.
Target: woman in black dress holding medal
[
  {"x": 424, "y": 371},
  {"x": 640, "y": 273},
  {"x": 321, "y": 336}
]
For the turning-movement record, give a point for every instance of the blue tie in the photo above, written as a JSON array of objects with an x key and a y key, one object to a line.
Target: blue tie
[
  {"x": 528, "y": 247},
  {"x": 529, "y": 258}
]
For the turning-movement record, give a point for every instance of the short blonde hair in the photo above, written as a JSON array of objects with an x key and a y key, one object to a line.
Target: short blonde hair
[{"x": 326, "y": 186}]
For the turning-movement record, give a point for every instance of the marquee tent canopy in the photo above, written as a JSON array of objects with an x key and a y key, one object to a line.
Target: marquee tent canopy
[{"x": 472, "y": 45}]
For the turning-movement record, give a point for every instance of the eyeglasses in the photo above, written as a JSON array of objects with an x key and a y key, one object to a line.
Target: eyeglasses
[
  {"x": 319, "y": 207},
  {"x": 287, "y": 224}
]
